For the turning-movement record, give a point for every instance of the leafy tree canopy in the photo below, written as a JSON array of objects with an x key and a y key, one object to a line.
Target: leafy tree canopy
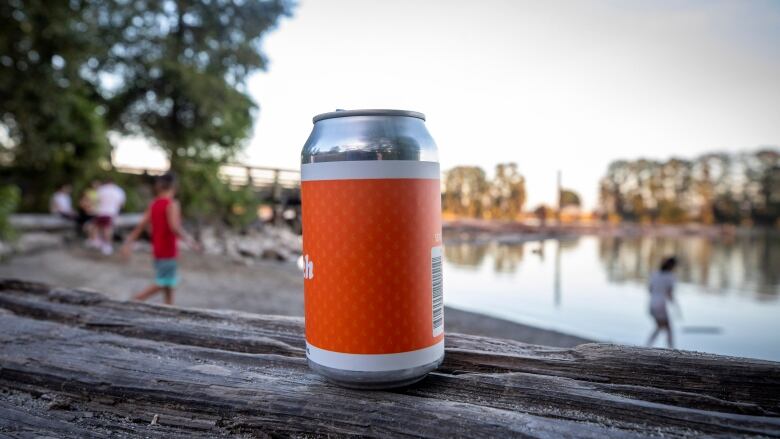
[
  {"x": 53, "y": 126},
  {"x": 715, "y": 187},
  {"x": 468, "y": 193},
  {"x": 569, "y": 198},
  {"x": 176, "y": 71},
  {"x": 173, "y": 71}
]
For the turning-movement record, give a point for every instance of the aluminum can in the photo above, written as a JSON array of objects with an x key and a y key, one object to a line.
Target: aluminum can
[{"x": 372, "y": 250}]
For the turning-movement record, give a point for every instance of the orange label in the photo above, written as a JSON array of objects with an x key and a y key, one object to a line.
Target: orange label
[{"x": 369, "y": 283}]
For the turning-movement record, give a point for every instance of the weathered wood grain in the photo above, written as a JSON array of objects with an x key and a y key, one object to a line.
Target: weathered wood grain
[{"x": 74, "y": 363}]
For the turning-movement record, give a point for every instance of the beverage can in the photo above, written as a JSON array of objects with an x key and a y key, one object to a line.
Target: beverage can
[{"x": 372, "y": 249}]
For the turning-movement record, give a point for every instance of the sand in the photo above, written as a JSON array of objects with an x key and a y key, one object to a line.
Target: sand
[{"x": 216, "y": 282}]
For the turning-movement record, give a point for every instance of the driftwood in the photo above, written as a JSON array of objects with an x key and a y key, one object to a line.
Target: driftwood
[
  {"x": 48, "y": 222},
  {"x": 76, "y": 364}
]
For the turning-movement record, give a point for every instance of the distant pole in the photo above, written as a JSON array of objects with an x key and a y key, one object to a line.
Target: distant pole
[
  {"x": 560, "y": 193},
  {"x": 557, "y": 279},
  {"x": 276, "y": 192},
  {"x": 557, "y": 287}
]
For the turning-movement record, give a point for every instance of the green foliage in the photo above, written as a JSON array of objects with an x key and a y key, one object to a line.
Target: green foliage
[
  {"x": 206, "y": 198},
  {"x": 464, "y": 189},
  {"x": 468, "y": 193},
  {"x": 243, "y": 205},
  {"x": 722, "y": 188},
  {"x": 181, "y": 68},
  {"x": 172, "y": 71},
  {"x": 670, "y": 212},
  {"x": 55, "y": 129},
  {"x": 569, "y": 197},
  {"x": 507, "y": 192},
  {"x": 764, "y": 169},
  {"x": 543, "y": 213},
  {"x": 9, "y": 200}
]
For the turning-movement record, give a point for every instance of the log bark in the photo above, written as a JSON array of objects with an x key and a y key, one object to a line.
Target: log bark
[{"x": 75, "y": 364}]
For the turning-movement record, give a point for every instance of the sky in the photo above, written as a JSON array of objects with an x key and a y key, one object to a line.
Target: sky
[{"x": 553, "y": 85}]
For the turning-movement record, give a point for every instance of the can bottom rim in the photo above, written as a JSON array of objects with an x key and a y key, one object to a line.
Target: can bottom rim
[
  {"x": 375, "y": 380},
  {"x": 375, "y": 362}
]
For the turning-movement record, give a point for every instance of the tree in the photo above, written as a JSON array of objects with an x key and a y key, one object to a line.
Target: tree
[
  {"x": 54, "y": 126},
  {"x": 568, "y": 198},
  {"x": 507, "y": 192},
  {"x": 173, "y": 71},
  {"x": 715, "y": 187},
  {"x": 465, "y": 191},
  {"x": 543, "y": 212},
  {"x": 181, "y": 67},
  {"x": 9, "y": 200},
  {"x": 762, "y": 170}
]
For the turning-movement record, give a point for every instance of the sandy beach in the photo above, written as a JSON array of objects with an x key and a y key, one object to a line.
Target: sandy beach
[{"x": 217, "y": 282}]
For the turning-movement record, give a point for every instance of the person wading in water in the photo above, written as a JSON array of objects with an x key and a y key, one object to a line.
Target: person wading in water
[{"x": 661, "y": 289}]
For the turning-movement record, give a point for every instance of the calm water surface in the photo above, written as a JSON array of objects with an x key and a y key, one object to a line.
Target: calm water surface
[{"x": 728, "y": 290}]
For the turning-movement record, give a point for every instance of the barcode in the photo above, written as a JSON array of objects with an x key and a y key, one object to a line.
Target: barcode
[{"x": 437, "y": 295}]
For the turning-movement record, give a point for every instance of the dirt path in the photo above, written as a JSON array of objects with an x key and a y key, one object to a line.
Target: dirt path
[{"x": 215, "y": 282}]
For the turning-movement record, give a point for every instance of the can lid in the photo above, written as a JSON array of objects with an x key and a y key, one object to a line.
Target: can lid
[{"x": 350, "y": 113}]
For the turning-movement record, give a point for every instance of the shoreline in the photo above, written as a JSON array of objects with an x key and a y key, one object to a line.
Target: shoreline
[
  {"x": 263, "y": 287},
  {"x": 468, "y": 322},
  {"x": 478, "y": 231}
]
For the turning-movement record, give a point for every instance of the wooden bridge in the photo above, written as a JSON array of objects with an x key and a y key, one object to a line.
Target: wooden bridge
[
  {"x": 279, "y": 188},
  {"x": 271, "y": 184}
]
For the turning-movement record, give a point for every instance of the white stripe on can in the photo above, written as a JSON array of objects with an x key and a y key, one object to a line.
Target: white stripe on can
[
  {"x": 375, "y": 362},
  {"x": 370, "y": 169}
]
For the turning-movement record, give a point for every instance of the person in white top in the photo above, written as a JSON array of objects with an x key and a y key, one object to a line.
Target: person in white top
[
  {"x": 661, "y": 291},
  {"x": 110, "y": 199},
  {"x": 61, "y": 204}
]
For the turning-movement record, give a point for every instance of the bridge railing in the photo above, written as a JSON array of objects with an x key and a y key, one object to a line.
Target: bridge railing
[
  {"x": 260, "y": 177},
  {"x": 239, "y": 175}
]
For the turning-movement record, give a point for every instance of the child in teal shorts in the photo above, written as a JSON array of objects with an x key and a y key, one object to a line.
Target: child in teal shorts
[{"x": 164, "y": 217}]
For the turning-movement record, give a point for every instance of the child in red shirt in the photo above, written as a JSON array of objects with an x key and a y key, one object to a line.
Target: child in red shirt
[{"x": 164, "y": 216}]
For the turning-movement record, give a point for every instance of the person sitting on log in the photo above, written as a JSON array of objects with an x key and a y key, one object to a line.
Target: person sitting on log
[
  {"x": 110, "y": 199},
  {"x": 60, "y": 203}
]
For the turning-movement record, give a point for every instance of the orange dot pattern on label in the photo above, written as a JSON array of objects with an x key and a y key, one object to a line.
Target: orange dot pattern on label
[{"x": 370, "y": 244}]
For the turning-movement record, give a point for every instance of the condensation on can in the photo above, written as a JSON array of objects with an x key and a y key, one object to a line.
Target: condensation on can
[{"x": 372, "y": 248}]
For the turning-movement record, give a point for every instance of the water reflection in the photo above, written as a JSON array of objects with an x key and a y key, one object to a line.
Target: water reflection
[
  {"x": 465, "y": 254},
  {"x": 506, "y": 257},
  {"x": 596, "y": 287},
  {"x": 749, "y": 265}
]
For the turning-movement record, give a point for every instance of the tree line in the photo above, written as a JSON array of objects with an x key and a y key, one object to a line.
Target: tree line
[
  {"x": 468, "y": 193},
  {"x": 714, "y": 188},
  {"x": 174, "y": 72},
  {"x": 736, "y": 188}
]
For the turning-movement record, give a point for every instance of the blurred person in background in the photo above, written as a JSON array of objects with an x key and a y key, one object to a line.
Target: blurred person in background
[
  {"x": 661, "y": 291},
  {"x": 86, "y": 212},
  {"x": 110, "y": 199},
  {"x": 164, "y": 216},
  {"x": 60, "y": 203}
]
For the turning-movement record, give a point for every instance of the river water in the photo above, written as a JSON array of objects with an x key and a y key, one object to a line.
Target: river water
[{"x": 728, "y": 290}]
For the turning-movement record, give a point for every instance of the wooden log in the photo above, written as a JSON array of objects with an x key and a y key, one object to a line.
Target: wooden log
[
  {"x": 74, "y": 363},
  {"x": 48, "y": 222}
]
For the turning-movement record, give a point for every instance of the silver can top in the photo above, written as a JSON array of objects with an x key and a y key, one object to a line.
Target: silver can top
[
  {"x": 370, "y": 112},
  {"x": 356, "y": 135}
]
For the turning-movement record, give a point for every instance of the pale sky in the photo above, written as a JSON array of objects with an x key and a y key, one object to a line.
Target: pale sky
[{"x": 568, "y": 85}]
